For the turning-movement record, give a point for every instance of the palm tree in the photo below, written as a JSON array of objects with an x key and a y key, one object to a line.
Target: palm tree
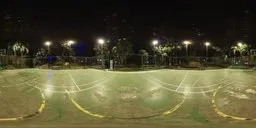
[
  {"x": 18, "y": 48},
  {"x": 241, "y": 49},
  {"x": 234, "y": 50}
]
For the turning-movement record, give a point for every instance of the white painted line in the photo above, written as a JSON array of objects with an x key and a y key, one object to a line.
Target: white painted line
[
  {"x": 155, "y": 79},
  {"x": 82, "y": 85},
  {"x": 73, "y": 81},
  {"x": 204, "y": 86},
  {"x": 47, "y": 90},
  {"x": 135, "y": 72},
  {"x": 204, "y": 93},
  {"x": 96, "y": 81},
  {"x": 182, "y": 81},
  {"x": 172, "y": 90},
  {"x": 194, "y": 84}
]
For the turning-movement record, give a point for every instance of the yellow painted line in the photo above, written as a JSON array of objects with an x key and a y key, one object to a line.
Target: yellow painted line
[
  {"x": 8, "y": 119},
  {"x": 222, "y": 114},
  {"x": 82, "y": 109},
  {"x": 86, "y": 111},
  {"x": 175, "y": 107},
  {"x": 40, "y": 110},
  {"x": 31, "y": 115},
  {"x": 102, "y": 116}
]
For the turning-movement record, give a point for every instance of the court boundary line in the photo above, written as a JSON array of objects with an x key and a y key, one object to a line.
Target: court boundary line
[
  {"x": 73, "y": 86},
  {"x": 80, "y": 85},
  {"x": 39, "y": 111},
  {"x": 222, "y": 114},
  {"x": 225, "y": 80},
  {"x": 165, "y": 113},
  {"x": 208, "y": 85},
  {"x": 173, "y": 90},
  {"x": 184, "y": 78},
  {"x": 73, "y": 80}
]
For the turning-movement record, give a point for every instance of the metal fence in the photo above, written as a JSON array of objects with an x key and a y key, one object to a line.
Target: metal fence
[
  {"x": 126, "y": 61},
  {"x": 16, "y": 61}
]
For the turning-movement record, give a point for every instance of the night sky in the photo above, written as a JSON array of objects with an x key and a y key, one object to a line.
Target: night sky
[{"x": 84, "y": 21}]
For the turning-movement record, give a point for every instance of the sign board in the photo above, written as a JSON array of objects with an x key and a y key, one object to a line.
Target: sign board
[
  {"x": 2, "y": 52},
  {"x": 111, "y": 65}
]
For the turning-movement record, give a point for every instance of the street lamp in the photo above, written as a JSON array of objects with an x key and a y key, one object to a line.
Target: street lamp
[
  {"x": 70, "y": 43},
  {"x": 48, "y": 43},
  {"x": 239, "y": 44},
  {"x": 101, "y": 42},
  {"x": 186, "y": 44},
  {"x": 207, "y": 44},
  {"x": 155, "y": 42}
]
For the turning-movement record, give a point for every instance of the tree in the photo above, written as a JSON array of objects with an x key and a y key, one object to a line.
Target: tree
[
  {"x": 144, "y": 54},
  {"x": 121, "y": 50},
  {"x": 18, "y": 48},
  {"x": 165, "y": 50},
  {"x": 101, "y": 49},
  {"x": 241, "y": 49},
  {"x": 40, "y": 56}
]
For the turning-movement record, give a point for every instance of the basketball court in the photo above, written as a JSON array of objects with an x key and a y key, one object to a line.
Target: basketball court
[{"x": 176, "y": 97}]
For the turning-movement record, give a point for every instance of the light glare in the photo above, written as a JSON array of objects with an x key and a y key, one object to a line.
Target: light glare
[
  {"x": 47, "y": 43},
  {"x": 70, "y": 42},
  {"x": 240, "y": 44},
  {"x": 101, "y": 41},
  {"x": 207, "y": 43},
  {"x": 186, "y": 42},
  {"x": 155, "y": 42}
]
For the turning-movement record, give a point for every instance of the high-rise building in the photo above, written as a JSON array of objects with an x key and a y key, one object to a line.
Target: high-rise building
[
  {"x": 117, "y": 29},
  {"x": 230, "y": 32},
  {"x": 111, "y": 28},
  {"x": 13, "y": 26},
  {"x": 244, "y": 30}
]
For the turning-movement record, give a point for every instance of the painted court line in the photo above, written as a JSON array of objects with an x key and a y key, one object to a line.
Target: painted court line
[
  {"x": 172, "y": 90},
  {"x": 85, "y": 89},
  {"x": 222, "y": 114},
  {"x": 73, "y": 81},
  {"x": 205, "y": 85},
  {"x": 194, "y": 84},
  {"x": 182, "y": 80}
]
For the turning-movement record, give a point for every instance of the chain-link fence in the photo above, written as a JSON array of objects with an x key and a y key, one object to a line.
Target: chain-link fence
[
  {"x": 16, "y": 62},
  {"x": 136, "y": 61}
]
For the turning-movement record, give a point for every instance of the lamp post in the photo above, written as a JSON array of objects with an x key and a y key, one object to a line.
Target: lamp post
[
  {"x": 47, "y": 44},
  {"x": 155, "y": 42},
  {"x": 70, "y": 43},
  {"x": 207, "y": 44},
  {"x": 240, "y": 45},
  {"x": 186, "y": 43},
  {"x": 101, "y": 42}
]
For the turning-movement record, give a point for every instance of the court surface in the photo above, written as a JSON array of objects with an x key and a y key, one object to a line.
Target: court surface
[{"x": 97, "y": 98}]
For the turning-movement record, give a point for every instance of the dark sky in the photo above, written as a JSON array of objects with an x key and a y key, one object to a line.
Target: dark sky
[{"x": 83, "y": 21}]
